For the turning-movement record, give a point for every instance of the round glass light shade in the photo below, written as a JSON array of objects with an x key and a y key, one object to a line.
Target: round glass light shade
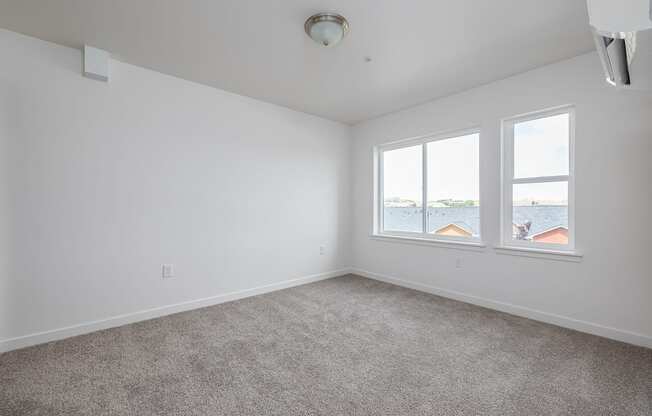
[{"x": 326, "y": 29}]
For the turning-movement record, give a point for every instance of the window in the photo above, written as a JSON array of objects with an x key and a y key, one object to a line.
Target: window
[
  {"x": 403, "y": 189},
  {"x": 538, "y": 180},
  {"x": 429, "y": 188}
]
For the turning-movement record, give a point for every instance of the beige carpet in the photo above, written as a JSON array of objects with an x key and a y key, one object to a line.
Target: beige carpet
[{"x": 345, "y": 346}]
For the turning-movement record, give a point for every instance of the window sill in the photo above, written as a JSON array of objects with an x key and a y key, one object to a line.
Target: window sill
[
  {"x": 455, "y": 245},
  {"x": 559, "y": 255}
]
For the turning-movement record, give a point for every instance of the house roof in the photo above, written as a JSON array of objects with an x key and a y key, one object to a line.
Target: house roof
[
  {"x": 543, "y": 217},
  {"x": 549, "y": 230},
  {"x": 454, "y": 227}
]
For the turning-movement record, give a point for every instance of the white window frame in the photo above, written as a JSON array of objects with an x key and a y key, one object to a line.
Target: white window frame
[
  {"x": 378, "y": 228},
  {"x": 508, "y": 180}
]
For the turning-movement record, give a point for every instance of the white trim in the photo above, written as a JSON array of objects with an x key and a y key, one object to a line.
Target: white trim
[
  {"x": 430, "y": 237},
  {"x": 538, "y": 246},
  {"x": 380, "y": 192},
  {"x": 550, "y": 318},
  {"x": 377, "y": 190},
  {"x": 537, "y": 114},
  {"x": 452, "y": 244},
  {"x": 541, "y": 179},
  {"x": 559, "y": 255},
  {"x": 120, "y": 320},
  {"x": 426, "y": 138},
  {"x": 572, "y": 243}
]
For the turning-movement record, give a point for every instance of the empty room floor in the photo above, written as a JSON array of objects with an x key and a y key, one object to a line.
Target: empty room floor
[{"x": 342, "y": 346}]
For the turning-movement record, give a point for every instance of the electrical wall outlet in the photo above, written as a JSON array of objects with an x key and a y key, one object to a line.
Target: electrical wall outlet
[
  {"x": 167, "y": 270},
  {"x": 458, "y": 263},
  {"x": 322, "y": 250}
]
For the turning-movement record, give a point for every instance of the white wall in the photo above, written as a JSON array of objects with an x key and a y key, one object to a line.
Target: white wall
[
  {"x": 610, "y": 291},
  {"x": 102, "y": 183}
]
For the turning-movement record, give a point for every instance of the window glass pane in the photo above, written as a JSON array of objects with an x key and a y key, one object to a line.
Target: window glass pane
[
  {"x": 540, "y": 212},
  {"x": 541, "y": 147},
  {"x": 453, "y": 187},
  {"x": 402, "y": 189}
]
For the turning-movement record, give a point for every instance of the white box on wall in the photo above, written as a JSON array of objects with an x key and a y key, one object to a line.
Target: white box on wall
[{"x": 96, "y": 63}]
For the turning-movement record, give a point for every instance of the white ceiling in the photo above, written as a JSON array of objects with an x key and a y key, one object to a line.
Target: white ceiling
[{"x": 420, "y": 49}]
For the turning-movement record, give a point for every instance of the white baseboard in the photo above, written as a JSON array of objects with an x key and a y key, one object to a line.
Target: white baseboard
[
  {"x": 87, "y": 327},
  {"x": 119, "y": 320},
  {"x": 563, "y": 321}
]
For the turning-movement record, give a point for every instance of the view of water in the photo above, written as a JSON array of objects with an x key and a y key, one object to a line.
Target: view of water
[{"x": 543, "y": 217}]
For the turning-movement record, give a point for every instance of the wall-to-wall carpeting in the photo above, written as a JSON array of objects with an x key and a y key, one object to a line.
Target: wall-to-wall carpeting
[{"x": 343, "y": 346}]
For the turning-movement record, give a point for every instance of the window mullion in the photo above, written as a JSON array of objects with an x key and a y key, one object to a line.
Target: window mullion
[
  {"x": 424, "y": 184},
  {"x": 381, "y": 193},
  {"x": 541, "y": 179},
  {"x": 507, "y": 182}
]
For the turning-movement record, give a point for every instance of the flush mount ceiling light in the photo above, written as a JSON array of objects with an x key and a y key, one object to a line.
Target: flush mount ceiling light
[{"x": 327, "y": 29}]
